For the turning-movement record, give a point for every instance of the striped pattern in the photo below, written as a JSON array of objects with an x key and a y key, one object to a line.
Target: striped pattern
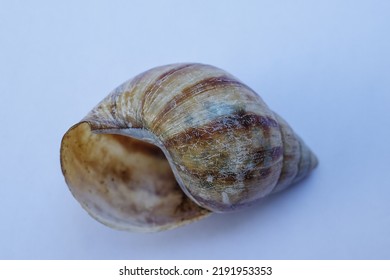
[{"x": 225, "y": 145}]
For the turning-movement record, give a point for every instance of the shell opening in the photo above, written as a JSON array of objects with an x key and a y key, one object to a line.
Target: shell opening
[{"x": 124, "y": 182}]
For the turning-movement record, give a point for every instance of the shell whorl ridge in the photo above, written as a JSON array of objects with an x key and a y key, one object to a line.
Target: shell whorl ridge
[{"x": 190, "y": 125}]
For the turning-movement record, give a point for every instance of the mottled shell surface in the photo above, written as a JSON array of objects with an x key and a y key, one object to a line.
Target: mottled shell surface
[{"x": 176, "y": 142}]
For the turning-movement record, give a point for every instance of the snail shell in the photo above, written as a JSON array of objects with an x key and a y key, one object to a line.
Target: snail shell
[{"x": 176, "y": 143}]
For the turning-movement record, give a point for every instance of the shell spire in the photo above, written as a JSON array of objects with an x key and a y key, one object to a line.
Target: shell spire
[{"x": 175, "y": 143}]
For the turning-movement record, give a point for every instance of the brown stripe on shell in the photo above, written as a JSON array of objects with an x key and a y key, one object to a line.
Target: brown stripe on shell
[
  {"x": 108, "y": 114},
  {"x": 210, "y": 195},
  {"x": 196, "y": 89},
  {"x": 126, "y": 96},
  {"x": 291, "y": 155},
  {"x": 259, "y": 169},
  {"x": 157, "y": 85},
  {"x": 305, "y": 163},
  {"x": 238, "y": 121}
]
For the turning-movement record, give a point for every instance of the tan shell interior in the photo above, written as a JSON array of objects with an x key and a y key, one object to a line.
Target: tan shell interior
[{"x": 123, "y": 182}]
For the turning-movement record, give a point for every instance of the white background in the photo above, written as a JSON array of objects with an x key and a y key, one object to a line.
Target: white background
[{"x": 323, "y": 65}]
